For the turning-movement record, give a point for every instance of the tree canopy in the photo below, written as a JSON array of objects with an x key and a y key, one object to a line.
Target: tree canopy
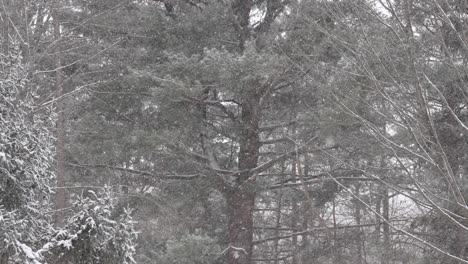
[{"x": 233, "y": 131}]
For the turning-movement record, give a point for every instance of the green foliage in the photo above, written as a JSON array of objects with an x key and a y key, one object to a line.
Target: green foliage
[
  {"x": 94, "y": 234},
  {"x": 26, "y": 150},
  {"x": 25, "y": 143},
  {"x": 166, "y": 89}
]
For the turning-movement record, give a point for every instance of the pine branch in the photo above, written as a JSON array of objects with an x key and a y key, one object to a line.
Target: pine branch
[{"x": 139, "y": 172}]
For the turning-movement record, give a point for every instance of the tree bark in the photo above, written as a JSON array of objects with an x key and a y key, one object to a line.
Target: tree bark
[
  {"x": 240, "y": 196},
  {"x": 294, "y": 220},
  {"x": 5, "y": 29},
  {"x": 241, "y": 199},
  {"x": 336, "y": 257},
  {"x": 357, "y": 217},
  {"x": 4, "y": 258},
  {"x": 294, "y": 211},
  {"x": 307, "y": 213},
  {"x": 60, "y": 143},
  {"x": 387, "y": 247},
  {"x": 278, "y": 216},
  {"x": 240, "y": 229},
  {"x": 241, "y": 9}
]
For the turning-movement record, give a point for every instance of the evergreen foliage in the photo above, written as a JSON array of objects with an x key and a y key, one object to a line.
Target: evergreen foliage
[
  {"x": 94, "y": 234},
  {"x": 239, "y": 131},
  {"x": 26, "y": 159}
]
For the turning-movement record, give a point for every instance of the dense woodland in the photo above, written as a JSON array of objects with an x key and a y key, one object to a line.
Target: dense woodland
[{"x": 234, "y": 131}]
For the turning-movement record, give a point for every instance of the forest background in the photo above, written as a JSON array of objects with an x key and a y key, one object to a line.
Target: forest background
[{"x": 233, "y": 131}]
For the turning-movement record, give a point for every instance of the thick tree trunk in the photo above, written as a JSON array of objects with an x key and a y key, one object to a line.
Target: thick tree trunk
[
  {"x": 241, "y": 195},
  {"x": 240, "y": 230},
  {"x": 241, "y": 199}
]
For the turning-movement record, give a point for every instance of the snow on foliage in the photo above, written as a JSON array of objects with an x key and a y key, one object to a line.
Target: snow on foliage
[
  {"x": 26, "y": 148},
  {"x": 94, "y": 234}
]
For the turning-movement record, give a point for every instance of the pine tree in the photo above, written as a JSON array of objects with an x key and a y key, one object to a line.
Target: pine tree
[
  {"x": 96, "y": 233},
  {"x": 26, "y": 149}
]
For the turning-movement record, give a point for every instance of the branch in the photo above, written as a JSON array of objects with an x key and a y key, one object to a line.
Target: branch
[
  {"x": 313, "y": 181},
  {"x": 139, "y": 172},
  {"x": 311, "y": 230},
  {"x": 280, "y": 125},
  {"x": 446, "y": 103},
  {"x": 299, "y": 150},
  {"x": 426, "y": 243},
  {"x": 276, "y": 140}
]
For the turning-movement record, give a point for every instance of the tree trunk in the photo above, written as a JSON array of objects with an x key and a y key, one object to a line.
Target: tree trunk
[
  {"x": 278, "y": 215},
  {"x": 240, "y": 230},
  {"x": 5, "y": 29},
  {"x": 241, "y": 199},
  {"x": 4, "y": 258},
  {"x": 241, "y": 195},
  {"x": 294, "y": 211},
  {"x": 307, "y": 214},
  {"x": 336, "y": 256},
  {"x": 357, "y": 217},
  {"x": 294, "y": 222},
  {"x": 60, "y": 143},
  {"x": 378, "y": 206},
  {"x": 387, "y": 250},
  {"x": 277, "y": 232}
]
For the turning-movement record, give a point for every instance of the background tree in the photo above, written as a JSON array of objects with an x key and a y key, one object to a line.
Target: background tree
[
  {"x": 259, "y": 131},
  {"x": 27, "y": 232}
]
